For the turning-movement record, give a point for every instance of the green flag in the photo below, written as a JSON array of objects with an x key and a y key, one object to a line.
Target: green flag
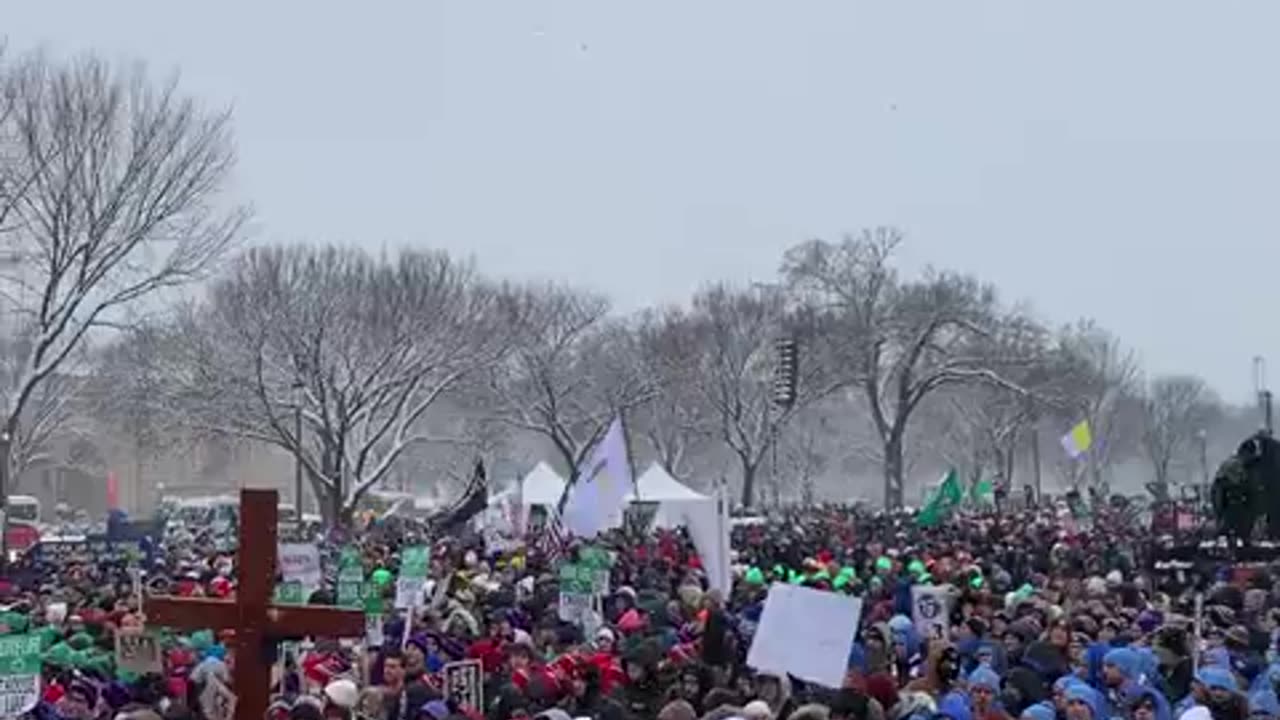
[
  {"x": 947, "y": 497},
  {"x": 983, "y": 492}
]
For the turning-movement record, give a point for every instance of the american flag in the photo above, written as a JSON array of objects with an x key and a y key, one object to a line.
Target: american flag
[{"x": 554, "y": 539}]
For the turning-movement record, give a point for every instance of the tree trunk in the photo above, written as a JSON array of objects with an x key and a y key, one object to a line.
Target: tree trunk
[
  {"x": 893, "y": 494},
  {"x": 748, "y": 484}
]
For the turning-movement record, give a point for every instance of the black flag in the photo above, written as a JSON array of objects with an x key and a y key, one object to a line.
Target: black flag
[{"x": 472, "y": 503}]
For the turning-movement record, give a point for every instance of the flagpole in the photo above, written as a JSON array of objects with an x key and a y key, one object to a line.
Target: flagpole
[{"x": 631, "y": 463}]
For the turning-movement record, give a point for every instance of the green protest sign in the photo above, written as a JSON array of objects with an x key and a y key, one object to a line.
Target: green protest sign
[
  {"x": 290, "y": 593},
  {"x": 350, "y": 578},
  {"x": 19, "y": 674}
]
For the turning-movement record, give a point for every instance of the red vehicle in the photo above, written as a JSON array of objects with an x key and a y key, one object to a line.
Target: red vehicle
[{"x": 20, "y": 536}]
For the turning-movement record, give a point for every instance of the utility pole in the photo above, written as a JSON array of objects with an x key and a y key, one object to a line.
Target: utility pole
[
  {"x": 1264, "y": 395},
  {"x": 297, "y": 451},
  {"x": 1203, "y": 437},
  {"x": 5, "y": 442}
]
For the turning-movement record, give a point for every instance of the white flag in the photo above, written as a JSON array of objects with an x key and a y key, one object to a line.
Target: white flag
[{"x": 603, "y": 484}]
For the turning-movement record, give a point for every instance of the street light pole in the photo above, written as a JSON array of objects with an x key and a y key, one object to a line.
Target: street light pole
[
  {"x": 1203, "y": 437},
  {"x": 5, "y": 441},
  {"x": 297, "y": 450}
]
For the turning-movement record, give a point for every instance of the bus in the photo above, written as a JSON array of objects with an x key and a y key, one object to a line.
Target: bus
[
  {"x": 23, "y": 508},
  {"x": 22, "y": 524}
]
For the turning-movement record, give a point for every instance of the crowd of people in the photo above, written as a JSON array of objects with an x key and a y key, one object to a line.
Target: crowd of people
[{"x": 1050, "y": 615}]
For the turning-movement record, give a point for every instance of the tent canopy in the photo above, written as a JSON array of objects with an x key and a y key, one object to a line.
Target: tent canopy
[
  {"x": 657, "y": 485},
  {"x": 542, "y": 486}
]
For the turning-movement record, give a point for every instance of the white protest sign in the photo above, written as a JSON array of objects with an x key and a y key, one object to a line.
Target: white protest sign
[
  {"x": 139, "y": 653},
  {"x": 217, "y": 701},
  {"x": 930, "y": 611},
  {"x": 464, "y": 682},
  {"x": 807, "y": 633},
  {"x": 300, "y": 563},
  {"x": 373, "y": 631}
]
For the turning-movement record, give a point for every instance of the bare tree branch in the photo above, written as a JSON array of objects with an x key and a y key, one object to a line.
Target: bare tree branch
[{"x": 110, "y": 189}]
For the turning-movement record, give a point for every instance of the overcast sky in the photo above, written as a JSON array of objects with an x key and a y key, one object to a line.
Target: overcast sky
[{"x": 1102, "y": 158}]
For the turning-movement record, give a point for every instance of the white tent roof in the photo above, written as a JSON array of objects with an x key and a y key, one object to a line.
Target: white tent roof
[
  {"x": 656, "y": 484},
  {"x": 542, "y": 486}
]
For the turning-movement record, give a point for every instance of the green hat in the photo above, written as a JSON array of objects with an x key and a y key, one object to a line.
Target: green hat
[
  {"x": 381, "y": 576},
  {"x": 884, "y": 563},
  {"x": 754, "y": 576},
  {"x": 80, "y": 641},
  {"x": 976, "y": 581},
  {"x": 915, "y": 567},
  {"x": 79, "y": 659},
  {"x": 48, "y": 636},
  {"x": 58, "y": 656}
]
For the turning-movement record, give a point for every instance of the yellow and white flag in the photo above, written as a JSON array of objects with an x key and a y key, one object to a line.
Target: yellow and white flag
[{"x": 1078, "y": 441}]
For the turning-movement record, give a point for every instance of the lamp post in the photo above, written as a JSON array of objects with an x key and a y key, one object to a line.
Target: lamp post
[
  {"x": 1203, "y": 438},
  {"x": 5, "y": 441},
  {"x": 297, "y": 450}
]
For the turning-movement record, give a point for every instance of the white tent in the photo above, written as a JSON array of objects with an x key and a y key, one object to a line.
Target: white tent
[
  {"x": 542, "y": 486},
  {"x": 674, "y": 499}
]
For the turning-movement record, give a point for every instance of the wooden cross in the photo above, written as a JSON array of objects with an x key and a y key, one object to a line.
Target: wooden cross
[{"x": 251, "y": 615}]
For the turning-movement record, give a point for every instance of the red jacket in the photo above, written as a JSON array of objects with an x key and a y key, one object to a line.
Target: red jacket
[{"x": 490, "y": 652}]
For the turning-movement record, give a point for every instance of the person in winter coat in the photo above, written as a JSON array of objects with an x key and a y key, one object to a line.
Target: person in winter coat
[
  {"x": 643, "y": 695},
  {"x": 954, "y": 706},
  {"x": 775, "y": 691},
  {"x": 1148, "y": 704},
  {"x": 1121, "y": 676},
  {"x": 1084, "y": 703},
  {"x": 942, "y": 669},
  {"x": 984, "y": 688}
]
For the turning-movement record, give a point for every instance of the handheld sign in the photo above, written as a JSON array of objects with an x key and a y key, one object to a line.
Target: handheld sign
[
  {"x": 217, "y": 701},
  {"x": 139, "y": 653},
  {"x": 464, "y": 682},
  {"x": 19, "y": 674}
]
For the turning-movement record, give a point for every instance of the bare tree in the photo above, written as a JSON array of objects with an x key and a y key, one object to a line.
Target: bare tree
[
  {"x": 1175, "y": 409},
  {"x": 110, "y": 191},
  {"x": 900, "y": 341},
  {"x": 676, "y": 423},
  {"x": 738, "y": 331},
  {"x": 364, "y": 347},
  {"x": 571, "y": 372},
  {"x": 986, "y": 423}
]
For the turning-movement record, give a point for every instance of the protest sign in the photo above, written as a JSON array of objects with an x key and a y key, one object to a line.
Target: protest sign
[
  {"x": 414, "y": 564},
  {"x": 350, "y": 578},
  {"x": 139, "y": 653},
  {"x": 930, "y": 612},
  {"x": 373, "y": 631},
  {"x": 300, "y": 562},
  {"x": 806, "y": 633},
  {"x": 290, "y": 592},
  {"x": 464, "y": 682},
  {"x": 217, "y": 701},
  {"x": 577, "y": 584},
  {"x": 19, "y": 674}
]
